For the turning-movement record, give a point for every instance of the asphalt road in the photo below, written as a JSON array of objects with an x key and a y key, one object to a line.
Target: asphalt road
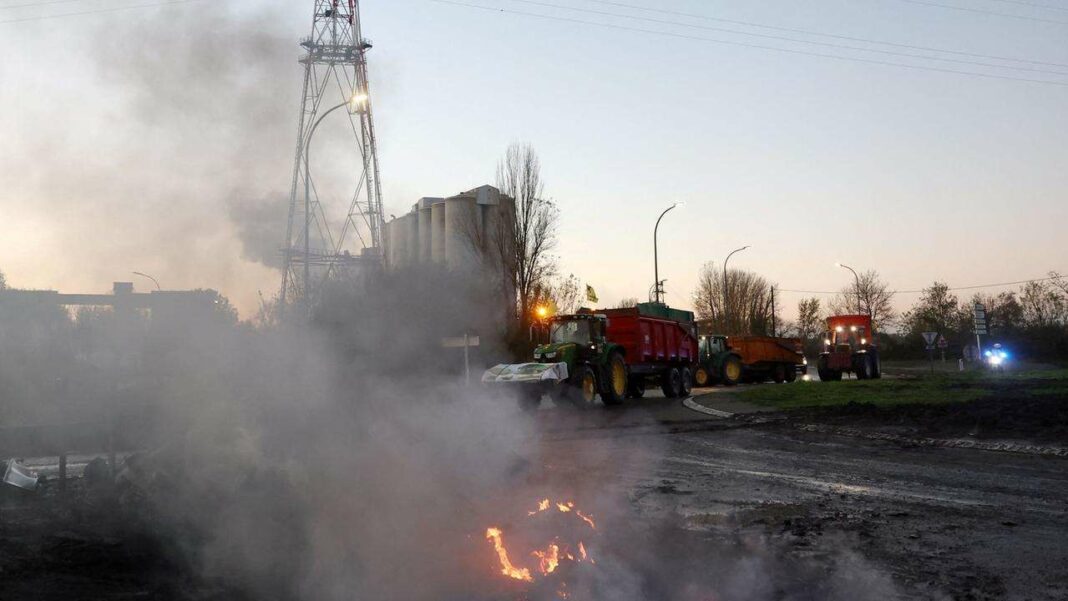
[{"x": 935, "y": 522}]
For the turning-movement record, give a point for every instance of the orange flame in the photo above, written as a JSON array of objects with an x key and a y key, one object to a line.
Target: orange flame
[
  {"x": 587, "y": 519},
  {"x": 494, "y": 534},
  {"x": 549, "y": 559}
]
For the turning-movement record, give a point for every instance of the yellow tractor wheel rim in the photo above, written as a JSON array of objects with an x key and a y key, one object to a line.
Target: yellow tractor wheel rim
[
  {"x": 619, "y": 379},
  {"x": 734, "y": 371},
  {"x": 588, "y": 388},
  {"x": 701, "y": 377}
]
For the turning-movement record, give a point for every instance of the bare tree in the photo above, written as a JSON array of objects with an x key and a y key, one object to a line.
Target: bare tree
[
  {"x": 868, "y": 295},
  {"x": 525, "y": 237},
  {"x": 809, "y": 325},
  {"x": 561, "y": 294},
  {"x": 749, "y": 307},
  {"x": 627, "y": 303}
]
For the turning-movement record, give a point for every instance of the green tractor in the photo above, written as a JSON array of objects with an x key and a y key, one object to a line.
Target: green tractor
[
  {"x": 576, "y": 364},
  {"x": 717, "y": 363}
]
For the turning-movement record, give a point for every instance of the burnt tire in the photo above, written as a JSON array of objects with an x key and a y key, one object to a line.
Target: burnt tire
[
  {"x": 731, "y": 373},
  {"x": 702, "y": 377},
  {"x": 671, "y": 383},
  {"x": 687, "y": 381},
  {"x": 778, "y": 373},
  {"x": 614, "y": 387},
  {"x": 635, "y": 387}
]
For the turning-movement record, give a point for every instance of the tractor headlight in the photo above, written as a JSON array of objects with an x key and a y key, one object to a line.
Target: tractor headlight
[
  {"x": 551, "y": 355},
  {"x": 864, "y": 341},
  {"x": 827, "y": 341}
]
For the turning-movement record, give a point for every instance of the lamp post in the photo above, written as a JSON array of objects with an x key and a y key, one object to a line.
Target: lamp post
[
  {"x": 659, "y": 294},
  {"x": 356, "y": 103},
  {"x": 145, "y": 275},
  {"x": 856, "y": 278},
  {"x": 725, "y": 295}
]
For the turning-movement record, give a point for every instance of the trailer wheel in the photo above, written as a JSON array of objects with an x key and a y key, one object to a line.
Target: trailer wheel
[
  {"x": 615, "y": 388},
  {"x": 671, "y": 383},
  {"x": 778, "y": 373},
  {"x": 791, "y": 372},
  {"x": 732, "y": 371},
  {"x": 635, "y": 387},
  {"x": 701, "y": 377},
  {"x": 687, "y": 381}
]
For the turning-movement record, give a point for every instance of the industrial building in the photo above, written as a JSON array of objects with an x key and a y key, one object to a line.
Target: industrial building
[{"x": 459, "y": 232}]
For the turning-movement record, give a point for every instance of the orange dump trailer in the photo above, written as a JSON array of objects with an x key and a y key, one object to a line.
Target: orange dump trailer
[{"x": 769, "y": 358}]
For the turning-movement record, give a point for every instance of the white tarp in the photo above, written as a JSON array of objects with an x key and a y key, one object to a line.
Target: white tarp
[
  {"x": 17, "y": 475},
  {"x": 526, "y": 372}
]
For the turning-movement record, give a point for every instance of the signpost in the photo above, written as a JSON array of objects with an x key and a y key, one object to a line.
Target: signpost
[
  {"x": 979, "y": 313},
  {"x": 929, "y": 338},
  {"x": 943, "y": 344},
  {"x": 466, "y": 342}
]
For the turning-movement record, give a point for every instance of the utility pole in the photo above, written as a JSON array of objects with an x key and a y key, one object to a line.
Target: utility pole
[
  {"x": 774, "y": 327},
  {"x": 335, "y": 71}
]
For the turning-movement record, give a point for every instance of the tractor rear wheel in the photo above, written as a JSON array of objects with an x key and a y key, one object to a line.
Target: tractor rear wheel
[
  {"x": 687, "y": 381},
  {"x": 615, "y": 388},
  {"x": 732, "y": 371},
  {"x": 701, "y": 377},
  {"x": 671, "y": 383},
  {"x": 778, "y": 373}
]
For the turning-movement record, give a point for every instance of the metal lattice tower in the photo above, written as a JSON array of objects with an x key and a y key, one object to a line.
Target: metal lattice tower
[{"x": 335, "y": 77}]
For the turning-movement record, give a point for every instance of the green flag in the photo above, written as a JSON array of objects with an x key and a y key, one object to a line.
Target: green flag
[{"x": 591, "y": 295}]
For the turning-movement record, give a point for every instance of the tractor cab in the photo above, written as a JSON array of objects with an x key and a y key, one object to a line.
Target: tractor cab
[
  {"x": 580, "y": 336},
  {"x": 711, "y": 346},
  {"x": 849, "y": 346}
]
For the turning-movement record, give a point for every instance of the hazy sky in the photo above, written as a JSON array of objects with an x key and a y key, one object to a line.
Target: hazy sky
[{"x": 161, "y": 139}]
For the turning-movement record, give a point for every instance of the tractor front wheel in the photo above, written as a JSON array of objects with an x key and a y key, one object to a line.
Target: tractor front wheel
[
  {"x": 862, "y": 367},
  {"x": 583, "y": 390},
  {"x": 701, "y": 377}
]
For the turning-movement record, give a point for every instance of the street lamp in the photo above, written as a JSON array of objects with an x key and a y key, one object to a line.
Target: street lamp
[
  {"x": 725, "y": 297},
  {"x": 356, "y": 104},
  {"x": 856, "y": 278},
  {"x": 145, "y": 275},
  {"x": 656, "y": 259}
]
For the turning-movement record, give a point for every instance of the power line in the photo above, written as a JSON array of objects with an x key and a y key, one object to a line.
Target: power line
[
  {"x": 747, "y": 45},
  {"x": 36, "y": 4},
  {"x": 788, "y": 39},
  {"x": 985, "y": 12},
  {"x": 956, "y": 289},
  {"x": 826, "y": 35},
  {"x": 97, "y": 11},
  {"x": 1034, "y": 4}
]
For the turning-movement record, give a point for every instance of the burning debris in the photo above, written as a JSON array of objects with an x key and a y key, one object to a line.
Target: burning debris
[{"x": 550, "y": 560}]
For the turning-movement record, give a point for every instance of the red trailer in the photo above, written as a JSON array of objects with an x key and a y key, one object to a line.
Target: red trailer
[{"x": 659, "y": 343}]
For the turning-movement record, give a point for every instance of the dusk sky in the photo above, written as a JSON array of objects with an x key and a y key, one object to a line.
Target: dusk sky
[{"x": 161, "y": 139}]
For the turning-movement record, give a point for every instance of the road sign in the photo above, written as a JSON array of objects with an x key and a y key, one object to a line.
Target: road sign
[
  {"x": 930, "y": 337},
  {"x": 942, "y": 342},
  {"x": 979, "y": 311}
]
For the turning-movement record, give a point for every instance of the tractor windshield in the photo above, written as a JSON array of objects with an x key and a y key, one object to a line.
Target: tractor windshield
[{"x": 577, "y": 331}]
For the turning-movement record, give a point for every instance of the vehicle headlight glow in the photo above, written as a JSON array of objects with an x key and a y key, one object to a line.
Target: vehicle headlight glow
[{"x": 551, "y": 355}]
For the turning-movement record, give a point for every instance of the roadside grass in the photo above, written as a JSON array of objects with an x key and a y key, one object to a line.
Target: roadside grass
[{"x": 926, "y": 389}]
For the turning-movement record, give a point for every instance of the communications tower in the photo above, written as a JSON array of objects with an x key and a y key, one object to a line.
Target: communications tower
[{"x": 335, "y": 81}]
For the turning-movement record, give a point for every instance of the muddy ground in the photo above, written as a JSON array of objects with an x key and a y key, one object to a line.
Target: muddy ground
[{"x": 724, "y": 509}]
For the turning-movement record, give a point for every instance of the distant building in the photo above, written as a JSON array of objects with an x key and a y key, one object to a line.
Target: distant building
[{"x": 459, "y": 232}]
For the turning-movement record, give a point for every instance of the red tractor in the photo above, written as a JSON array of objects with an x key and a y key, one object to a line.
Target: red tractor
[{"x": 850, "y": 346}]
